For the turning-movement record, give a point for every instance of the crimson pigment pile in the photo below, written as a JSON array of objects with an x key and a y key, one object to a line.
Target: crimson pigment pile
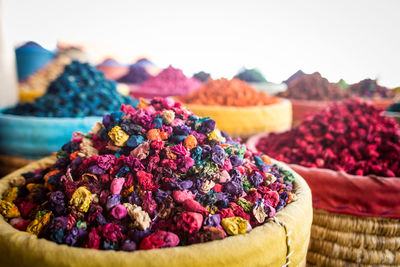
[
  {"x": 353, "y": 136},
  {"x": 148, "y": 177}
]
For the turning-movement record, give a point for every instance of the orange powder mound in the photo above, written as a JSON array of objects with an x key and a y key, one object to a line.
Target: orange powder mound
[{"x": 224, "y": 92}]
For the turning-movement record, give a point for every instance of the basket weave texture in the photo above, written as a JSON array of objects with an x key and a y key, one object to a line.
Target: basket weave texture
[{"x": 345, "y": 240}]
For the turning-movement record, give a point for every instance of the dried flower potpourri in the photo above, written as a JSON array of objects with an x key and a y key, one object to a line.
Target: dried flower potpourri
[
  {"x": 81, "y": 90},
  {"x": 152, "y": 177},
  {"x": 224, "y": 92},
  {"x": 313, "y": 87},
  {"x": 353, "y": 136}
]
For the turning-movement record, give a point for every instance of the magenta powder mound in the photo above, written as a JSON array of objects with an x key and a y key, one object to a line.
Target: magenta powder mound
[
  {"x": 169, "y": 82},
  {"x": 149, "y": 177}
]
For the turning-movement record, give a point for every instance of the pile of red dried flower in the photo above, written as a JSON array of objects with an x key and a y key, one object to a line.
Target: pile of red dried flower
[
  {"x": 353, "y": 136},
  {"x": 313, "y": 87}
]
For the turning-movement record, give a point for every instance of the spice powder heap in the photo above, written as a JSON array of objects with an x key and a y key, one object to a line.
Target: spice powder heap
[
  {"x": 148, "y": 177},
  {"x": 370, "y": 89},
  {"x": 81, "y": 90},
  {"x": 353, "y": 136},
  {"x": 224, "y": 92},
  {"x": 251, "y": 76},
  {"x": 313, "y": 87},
  {"x": 136, "y": 75},
  {"x": 170, "y": 82}
]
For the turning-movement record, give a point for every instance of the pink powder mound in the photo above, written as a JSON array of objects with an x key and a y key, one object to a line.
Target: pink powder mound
[{"x": 169, "y": 82}]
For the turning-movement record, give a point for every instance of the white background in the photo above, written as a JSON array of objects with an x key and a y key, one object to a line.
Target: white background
[{"x": 340, "y": 38}]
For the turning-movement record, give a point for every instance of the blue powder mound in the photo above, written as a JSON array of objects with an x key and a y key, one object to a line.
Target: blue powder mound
[
  {"x": 136, "y": 75},
  {"x": 251, "y": 76},
  {"x": 80, "y": 91},
  {"x": 31, "y": 57},
  {"x": 202, "y": 76}
]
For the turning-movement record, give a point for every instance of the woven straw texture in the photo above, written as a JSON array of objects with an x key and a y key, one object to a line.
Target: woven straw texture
[
  {"x": 281, "y": 241},
  {"x": 344, "y": 240}
]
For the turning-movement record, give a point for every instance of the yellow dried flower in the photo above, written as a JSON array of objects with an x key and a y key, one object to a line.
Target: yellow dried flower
[
  {"x": 81, "y": 199},
  {"x": 8, "y": 209},
  {"x": 118, "y": 136},
  {"x": 38, "y": 223},
  {"x": 11, "y": 194},
  {"x": 234, "y": 225}
]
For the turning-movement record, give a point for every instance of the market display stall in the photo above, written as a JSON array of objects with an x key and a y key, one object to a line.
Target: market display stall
[{"x": 130, "y": 163}]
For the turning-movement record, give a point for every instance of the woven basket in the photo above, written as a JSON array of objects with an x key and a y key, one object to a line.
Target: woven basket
[
  {"x": 281, "y": 241},
  {"x": 345, "y": 240}
]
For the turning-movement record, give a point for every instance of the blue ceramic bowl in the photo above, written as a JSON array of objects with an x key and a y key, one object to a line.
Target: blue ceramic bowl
[{"x": 35, "y": 137}]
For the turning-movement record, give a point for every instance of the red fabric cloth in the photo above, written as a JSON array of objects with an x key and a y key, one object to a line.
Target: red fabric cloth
[{"x": 340, "y": 192}]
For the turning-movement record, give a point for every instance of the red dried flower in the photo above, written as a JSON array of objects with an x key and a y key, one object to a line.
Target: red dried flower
[
  {"x": 226, "y": 213},
  {"x": 145, "y": 181},
  {"x": 25, "y": 208},
  {"x": 190, "y": 222},
  {"x": 252, "y": 196},
  {"x": 193, "y": 205},
  {"x": 111, "y": 232},
  {"x": 93, "y": 239},
  {"x": 238, "y": 211}
]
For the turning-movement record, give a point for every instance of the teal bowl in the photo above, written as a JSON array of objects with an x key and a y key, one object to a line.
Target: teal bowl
[{"x": 36, "y": 137}]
